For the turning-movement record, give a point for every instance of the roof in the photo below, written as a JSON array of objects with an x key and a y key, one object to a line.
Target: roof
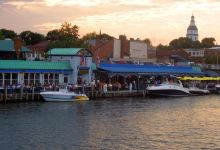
[
  {"x": 211, "y": 73},
  {"x": 192, "y": 28},
  {"x": 41, "y": 46},
  {"x": 64, "y": 51},
  {"x": 33, "y": 65},
  {"x": 132, "y": 68},
  {"x": 8, "y": 46}
]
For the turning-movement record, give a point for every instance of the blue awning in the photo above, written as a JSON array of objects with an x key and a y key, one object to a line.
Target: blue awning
[{"x": 133, "y": 68}]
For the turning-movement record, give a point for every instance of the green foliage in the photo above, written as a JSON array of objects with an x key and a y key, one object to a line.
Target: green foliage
[
  {"x": 94, "y": 35},
  {"x": 31, "y": 38},
  {"x": 181, "y": 42},
  {"x": 66, "y": 44},
  {"x": 148, "y": 41},
  {"x": 53, "y": 35},
  {"x": 66, "y": 32},
  {"x": 69, "y": 32},
  {"x": 8, "y": 33},
  {"x": 208, "y": 42},
  {"x": 105, "y": 36},
  {"x": 1, "y": 36},
  {"x": 163, "y": 47},
  {"x": 122, "y": 37},
  {"x": 89, "y": 36}
]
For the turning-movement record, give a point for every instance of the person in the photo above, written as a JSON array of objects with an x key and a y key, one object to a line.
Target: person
[
  {"x": 134, "y": 85},
  {"x": 105, "y": 88},
  {"x": 130, "y": 87},
  {"x": 110, "y": 86}
]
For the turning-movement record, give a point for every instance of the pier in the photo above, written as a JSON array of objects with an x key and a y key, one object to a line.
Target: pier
[{"x": 29, "y": 95}]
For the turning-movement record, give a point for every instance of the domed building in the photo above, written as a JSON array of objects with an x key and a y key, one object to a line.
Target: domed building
[{"x": 192, "y": 30}]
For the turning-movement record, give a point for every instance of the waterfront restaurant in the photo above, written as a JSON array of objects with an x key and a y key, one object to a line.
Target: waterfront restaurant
[
  {"x": 64, "y": 66},
  {"x": 125, "y": 73}
]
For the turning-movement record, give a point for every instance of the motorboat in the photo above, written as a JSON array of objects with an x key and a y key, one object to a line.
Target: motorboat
[
  {"x": 168, "y": 89},
  {"x": 198, "y": 91},
  {"x": 63, "y": 95},
  {"x": 217, "y": 88}
]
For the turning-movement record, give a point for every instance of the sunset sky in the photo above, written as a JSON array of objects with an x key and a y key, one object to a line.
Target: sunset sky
[{"x": 158, "y": 20}]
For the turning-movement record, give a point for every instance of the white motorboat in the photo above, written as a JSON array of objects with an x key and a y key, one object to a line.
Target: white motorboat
[
  {"x": 217, "y": 88},
  {"x": 198, "y": 91},
  {"x": 168, "y": 89},
  {"x": 63, "y": 95}
]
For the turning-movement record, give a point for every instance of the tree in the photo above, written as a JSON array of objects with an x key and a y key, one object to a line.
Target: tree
[
  {"x": 89, "y": 36},
  {"x": 66, "y": 44},
  {"x": 163, "y": 47},
  {"x": 31, "y": 38},
  {"x": 53, "y": 35},
  {"x": 8, "y": 33},
  {"x": 104, "y": 36},
  {"x": 123, "y": 37},
  {"x": 208, "y": 42},
  {"x": 196, "y": 44},
  {"x": 182, "y": 42},
  {"x": 148, "y": 41},
  {"x": 1, "y": 36},
  {"x": 69, "y": 32}
]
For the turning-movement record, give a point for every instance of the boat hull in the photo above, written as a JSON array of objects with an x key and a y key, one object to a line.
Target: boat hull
[
  {"x": 167, "y": 93},
  {"x": 198, "y": 92},
  {"x": 59, "y": 97}
]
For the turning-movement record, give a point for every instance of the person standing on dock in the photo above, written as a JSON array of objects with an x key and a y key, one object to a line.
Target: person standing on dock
[{"x": 130, "y": 87}]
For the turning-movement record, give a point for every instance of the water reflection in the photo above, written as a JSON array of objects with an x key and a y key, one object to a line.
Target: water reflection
[{"x": 126, "y": 123}]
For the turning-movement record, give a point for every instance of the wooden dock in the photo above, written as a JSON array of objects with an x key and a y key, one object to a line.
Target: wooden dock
[{"x": 22, "y": 96}]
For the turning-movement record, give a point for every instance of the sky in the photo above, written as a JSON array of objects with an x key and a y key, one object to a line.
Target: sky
[{"x": 159, "y": 20}]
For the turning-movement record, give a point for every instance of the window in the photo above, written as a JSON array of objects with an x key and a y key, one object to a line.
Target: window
[
  {"x": 26, "y": 78},
  {"x": 37, "y": 78},
  {"x": 1, "y": 79},
  {"x": 14, "y": 78},
  {"x": 7, "y": 78},
  {"x": 51, "y": 78},
  {"x": 65, "y": 79},
  {"x": 56, "y": 78},
  {"x": 46, "y": 78}
]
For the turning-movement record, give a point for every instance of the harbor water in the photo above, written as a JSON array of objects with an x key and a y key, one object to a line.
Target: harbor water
[{"x": 109, "y": 124}]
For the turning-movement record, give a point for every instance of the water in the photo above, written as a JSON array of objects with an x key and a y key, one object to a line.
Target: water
[{"x": 122, "y": 124}]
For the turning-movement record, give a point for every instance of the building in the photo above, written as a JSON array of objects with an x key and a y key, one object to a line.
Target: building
[
  {"x": 192, "y": 30},
  {"x": 65, "y": 66},
  {"x": 175, "y": 57},
  {"x": 37, "y": 51},
  {"x": 122, "y": 50},
  {"x": 196, "y": 52},
  {"x": 13, "y": 49},
  {"x": 79, "y": 59}
]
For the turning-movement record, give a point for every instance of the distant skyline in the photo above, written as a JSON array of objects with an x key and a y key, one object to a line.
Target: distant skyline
[{"x": 159, "y": 20}]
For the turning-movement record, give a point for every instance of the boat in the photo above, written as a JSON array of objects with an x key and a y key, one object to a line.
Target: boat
[
  {"x": 217, "y": 88},
  {"x": 62, "y": 96},
  {"x": 198, "y": 91},
  {"x": 168, "y": 89}
]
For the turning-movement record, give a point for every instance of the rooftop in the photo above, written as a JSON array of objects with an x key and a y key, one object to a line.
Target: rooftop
[{"x": 8, "y": 46}]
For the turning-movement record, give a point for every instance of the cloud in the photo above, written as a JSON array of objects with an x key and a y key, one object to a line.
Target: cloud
[{"x": 156, "y": 19}]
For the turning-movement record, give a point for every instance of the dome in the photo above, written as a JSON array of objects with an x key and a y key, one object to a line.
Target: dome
[{"x": 192, "y": 28}]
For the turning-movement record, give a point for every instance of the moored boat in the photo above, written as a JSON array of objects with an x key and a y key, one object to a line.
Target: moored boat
[
  {"x": 198, "y": 91},
  {"x": 217, "y": 88},
  {"x": 168, "y": 89},
  {"x": 63, "y": 95}
]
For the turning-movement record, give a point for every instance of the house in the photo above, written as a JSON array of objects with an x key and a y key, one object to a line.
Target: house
[
  {"x": 37, "y": 51},
  {"x": 65, "y": 66},
  {"x": 12, "y": 49},
  {"x": 121, "y": 50}
]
